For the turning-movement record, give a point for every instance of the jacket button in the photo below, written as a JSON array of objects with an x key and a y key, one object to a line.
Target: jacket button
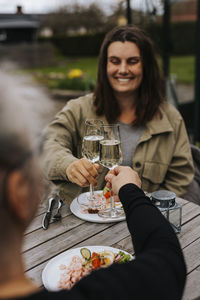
[{"x": 138, "y": 164}]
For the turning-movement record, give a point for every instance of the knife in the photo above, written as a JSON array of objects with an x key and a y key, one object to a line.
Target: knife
[{"x": 47, "y": 216}]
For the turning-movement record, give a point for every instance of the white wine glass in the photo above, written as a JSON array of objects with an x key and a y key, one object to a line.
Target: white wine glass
[
  {"x": 110, "y": 156},
  {"x": 90, "y": 145}
]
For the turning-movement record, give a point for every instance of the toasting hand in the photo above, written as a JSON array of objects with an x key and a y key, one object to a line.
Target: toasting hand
[{"x": 121, "y": 176}]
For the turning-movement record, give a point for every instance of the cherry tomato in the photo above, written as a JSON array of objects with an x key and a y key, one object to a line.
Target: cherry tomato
[{"x": 107, "y": 195}]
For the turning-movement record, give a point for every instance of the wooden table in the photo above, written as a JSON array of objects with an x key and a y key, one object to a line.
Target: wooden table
[{"x": 42, "y": 245}]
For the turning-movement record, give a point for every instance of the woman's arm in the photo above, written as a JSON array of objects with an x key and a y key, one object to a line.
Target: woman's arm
[
  {"x": 158, "y": 271},
  {"x": 61, "y": 143},
  {"x": 62, "y": 147},
  {"x": 180, "y": 171}
]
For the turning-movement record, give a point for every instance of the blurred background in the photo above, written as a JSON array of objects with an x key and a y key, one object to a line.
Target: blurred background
[{"x": 58, "y": 42}]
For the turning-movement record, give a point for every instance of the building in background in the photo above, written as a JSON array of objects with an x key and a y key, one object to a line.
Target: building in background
[
  {"x": 18, "y": 27},
  {"x": 184, "y": 11},
  {"x": 19, "y": 44}
]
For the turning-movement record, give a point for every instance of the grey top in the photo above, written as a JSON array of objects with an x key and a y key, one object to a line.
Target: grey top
[{"x": 130, "y": 136}]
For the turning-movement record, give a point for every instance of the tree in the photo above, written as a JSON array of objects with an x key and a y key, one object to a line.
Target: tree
[{"x": 75, "y": 18}]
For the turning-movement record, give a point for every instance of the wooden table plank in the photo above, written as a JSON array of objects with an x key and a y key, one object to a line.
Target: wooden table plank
[
  {"x": 37, "y": 221},
  {"x": 60, "y": 243},
  {"x": 192, "y": 256},
  {"x": 125, "y": 244},
  {"x": 192, "y": 288},
  {"x": 107, "y": 237},
  {"x": 41, "y": 209},
  {"x": 35, "y": 274},
  {"x": 190, "y": 232},
  {"x": 190, "y": 211},
  {"x": 40, "y": 236},
  {"x": 181, "y": 201},
  {"x": 40, "y": 245}
]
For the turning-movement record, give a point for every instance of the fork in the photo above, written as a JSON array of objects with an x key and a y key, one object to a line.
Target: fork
[{"x": 58, "y": 216}]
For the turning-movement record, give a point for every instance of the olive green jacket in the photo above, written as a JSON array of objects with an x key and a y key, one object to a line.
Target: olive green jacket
[{"x": 162, "y": 157}]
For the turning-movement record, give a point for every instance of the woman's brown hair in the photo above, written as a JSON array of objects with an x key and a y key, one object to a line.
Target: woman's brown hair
[{"x": 151, "y": 92}]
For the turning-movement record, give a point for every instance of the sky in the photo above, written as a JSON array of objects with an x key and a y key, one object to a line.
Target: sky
[{"x": 44, "y": 6}]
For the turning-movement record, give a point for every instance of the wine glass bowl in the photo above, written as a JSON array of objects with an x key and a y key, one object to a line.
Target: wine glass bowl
[
  {"x": 90, "y": 145},
  {"x": 110, "y": 156},
  {"x": 93, "y": 135},
  {"x": 110, "y": 153}
]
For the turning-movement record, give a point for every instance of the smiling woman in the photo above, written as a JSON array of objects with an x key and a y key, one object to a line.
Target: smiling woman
[
  {"x": 135, "y": 53},
  {"x": 129, "y": 92},
  {"x": 124, "y": 69}
]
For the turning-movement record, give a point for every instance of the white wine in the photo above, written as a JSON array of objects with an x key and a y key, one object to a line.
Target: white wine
[
  {"x": 110, "y": 154},
  {"x": 90, "y": 147}
]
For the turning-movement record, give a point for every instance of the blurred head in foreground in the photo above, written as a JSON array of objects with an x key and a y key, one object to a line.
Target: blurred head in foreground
[{"x": 20, "y": 105}]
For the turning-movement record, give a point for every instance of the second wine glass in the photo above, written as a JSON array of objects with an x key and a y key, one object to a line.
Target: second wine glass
[
  {"x": 90, "y": 145},
  {"x": 110, "y": 156}
]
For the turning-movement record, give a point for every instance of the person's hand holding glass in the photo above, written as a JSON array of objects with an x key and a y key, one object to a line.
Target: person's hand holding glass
[
  {"x": 90, "y": 145},
  {"x": 110, "y": 156}
]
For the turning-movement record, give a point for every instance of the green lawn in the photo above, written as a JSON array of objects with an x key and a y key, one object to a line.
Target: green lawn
[
  {"x": 57, "y": 77},
  {"x": 87, "y": 65},
  {"x": 184, "y": 68}
]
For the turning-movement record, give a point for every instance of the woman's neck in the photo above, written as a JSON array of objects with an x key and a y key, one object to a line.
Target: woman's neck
[
  {"x": 13, "y": 282},
  {"x": 127, "y": 117},
  {"x": 17, "y": 287},
  {"x": 127, "y": 108}
]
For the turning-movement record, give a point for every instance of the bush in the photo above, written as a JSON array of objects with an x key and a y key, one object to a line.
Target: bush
[
  {"x": 80, "y": 45},
  {"x": 182, "y": 37},
  {"x": 75, "y": 79},
  {"x": 77, "y": 84},
  {"x": 182, "y": 40}
]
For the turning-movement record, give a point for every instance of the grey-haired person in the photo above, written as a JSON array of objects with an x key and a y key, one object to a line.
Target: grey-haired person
[{"x": 159, "y": 259}]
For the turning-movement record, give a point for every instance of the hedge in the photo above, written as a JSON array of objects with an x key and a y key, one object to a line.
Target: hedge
[
  {"x": 80, "y": 45},
  {"x": 182, "y": 40},
  {"x": 182, "y": 37}
]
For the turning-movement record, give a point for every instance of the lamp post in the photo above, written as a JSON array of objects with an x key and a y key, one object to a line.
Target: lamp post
[
  {"x": 166, "y": 39},
  {"x": 128, "y": 12},
  {"x": 197, "y": 82}
]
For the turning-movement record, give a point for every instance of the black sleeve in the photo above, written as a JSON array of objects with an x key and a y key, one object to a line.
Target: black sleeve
[{"x": 157, "y": 273}]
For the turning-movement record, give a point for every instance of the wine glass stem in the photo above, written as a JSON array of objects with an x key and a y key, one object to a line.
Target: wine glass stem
[
  {"x": 113, "y": 212},
  {"x": 91, "y": 191},
  {"x": 112, "y": 200}
]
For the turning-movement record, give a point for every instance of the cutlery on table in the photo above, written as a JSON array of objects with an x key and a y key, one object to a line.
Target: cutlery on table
[
  {"x": 47, "y": 216},
  {"x": 58, "y": 216}
]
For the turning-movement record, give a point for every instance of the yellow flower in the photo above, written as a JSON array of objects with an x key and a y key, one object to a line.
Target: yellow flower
[{"x": 75, "y": 73}]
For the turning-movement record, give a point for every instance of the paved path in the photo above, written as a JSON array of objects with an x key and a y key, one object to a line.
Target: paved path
[{"x": 185, "y": 92}]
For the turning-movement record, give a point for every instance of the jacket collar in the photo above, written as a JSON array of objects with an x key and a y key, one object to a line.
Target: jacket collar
[{"x": 157, "y": 125}]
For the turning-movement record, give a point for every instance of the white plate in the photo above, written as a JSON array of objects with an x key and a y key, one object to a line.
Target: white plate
[
  {"x": 82, "y": 213},
  {"x": 51, "y": 273}
]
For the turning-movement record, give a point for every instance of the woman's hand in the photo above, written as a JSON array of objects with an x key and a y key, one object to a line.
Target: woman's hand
[
  {"x": 82, "y": 172},
  {"x": 121, "y": 176}
]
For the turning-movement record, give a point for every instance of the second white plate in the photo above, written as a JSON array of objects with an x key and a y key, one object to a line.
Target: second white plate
[
  {"x": 82, "y": 213},
  {"x": 51, "y": 273}
]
